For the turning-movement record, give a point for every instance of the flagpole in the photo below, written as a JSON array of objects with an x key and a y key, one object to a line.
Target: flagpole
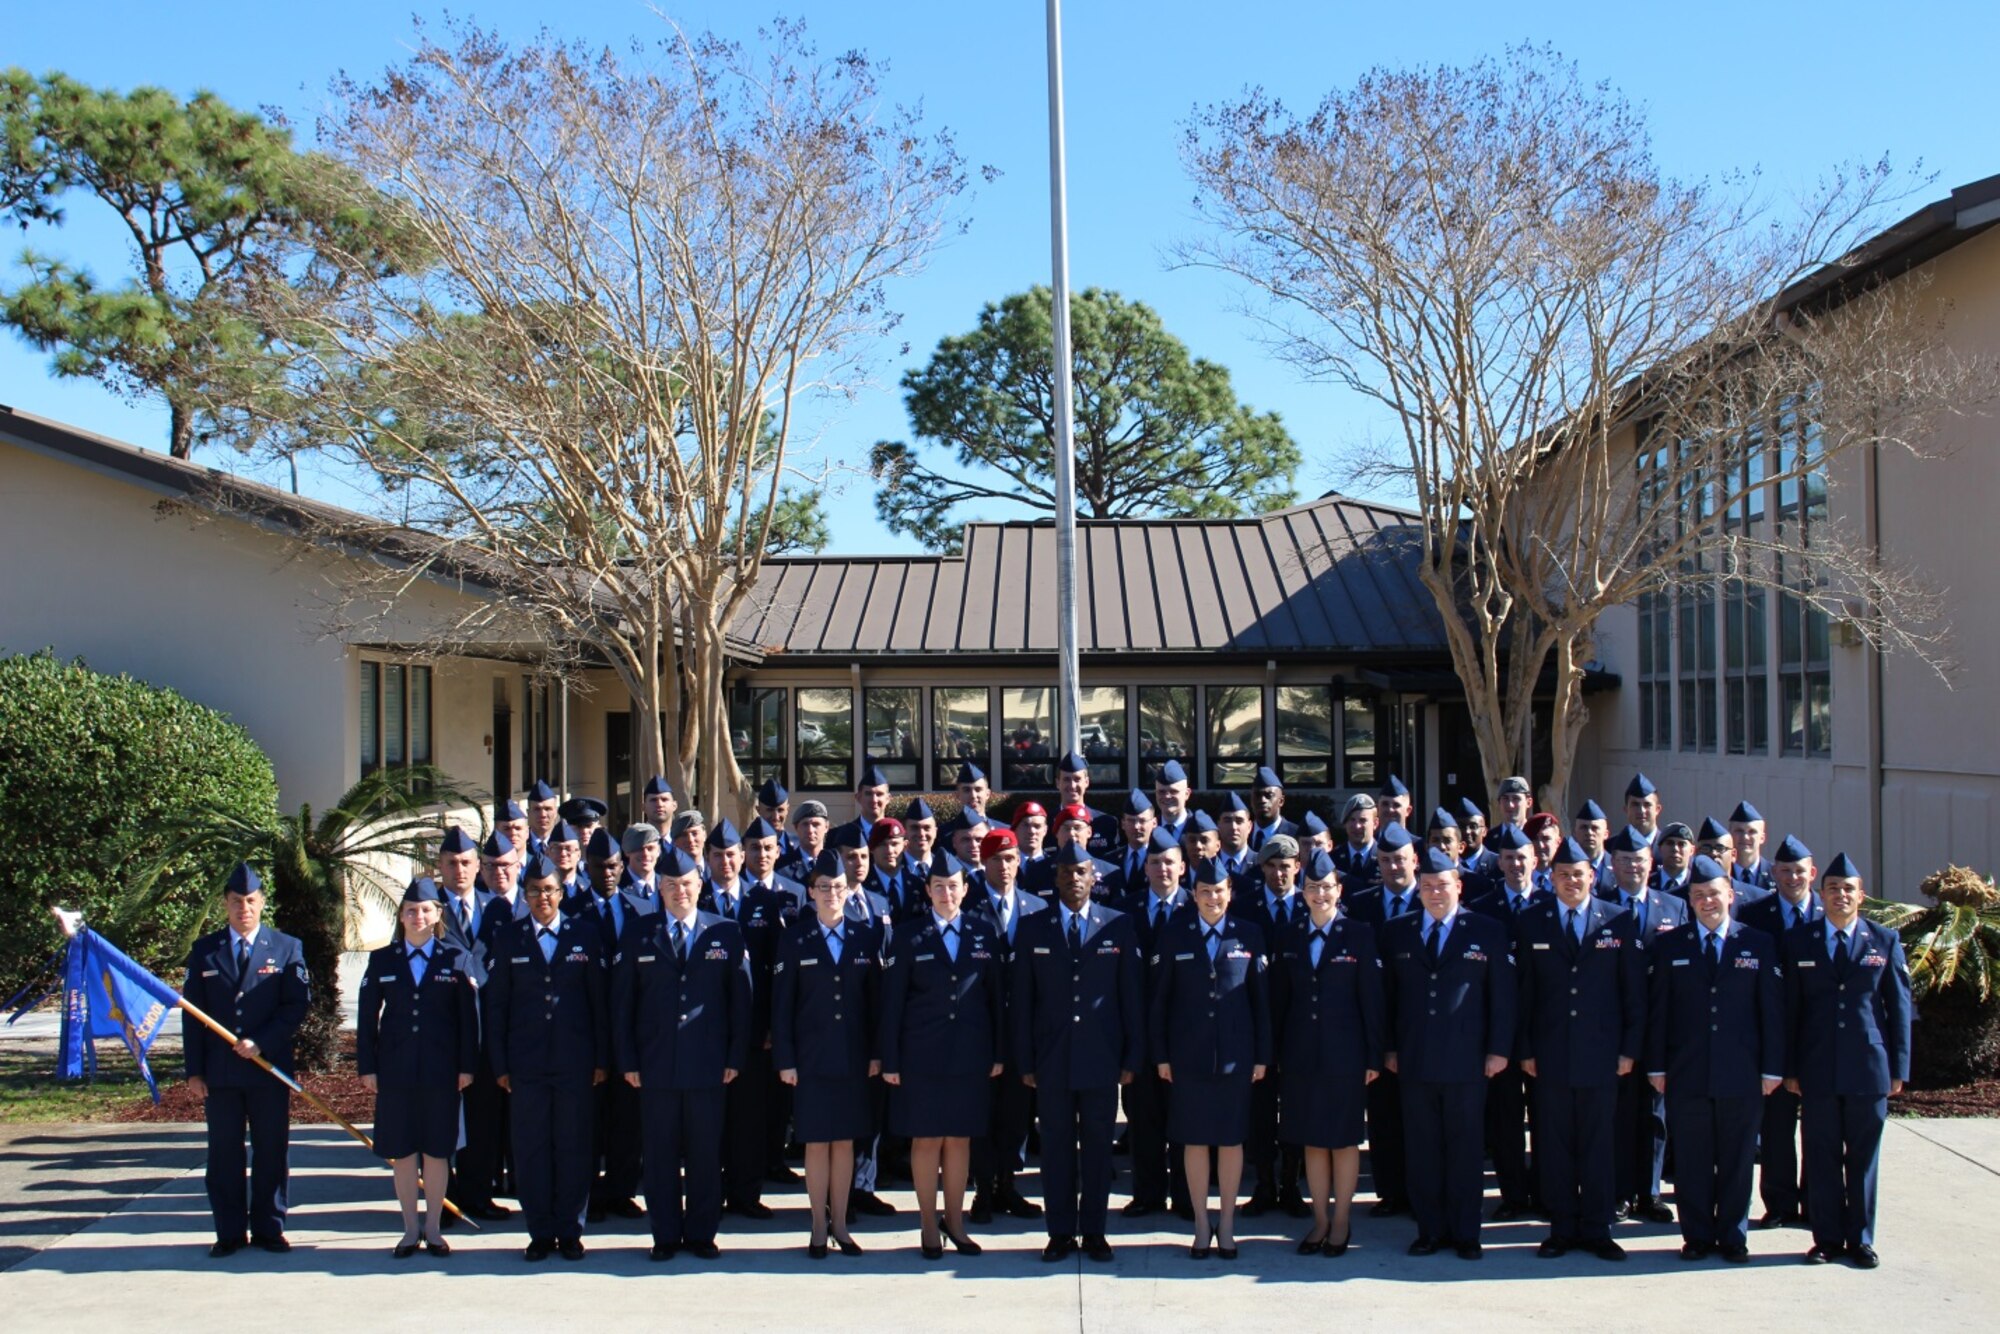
[
  {"x": 1068, "y": 674},
  {"x": 70, "y": 921}
]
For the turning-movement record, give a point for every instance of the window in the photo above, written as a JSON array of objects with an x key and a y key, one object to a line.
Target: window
[
  {"x": 894, "y": 723},
  {"x": 1102, "y": 734},
  {"x": 1235, "y": 734},
  {"x": 395, "y": 716},
  {"x": 757, "y": 733},
  {"x": 1656, "y": 629},
  {"x": 1360, "y": 756},
  {"x": 1027, "y": 737},
  {"x": 826, "y": 738},
  {"x": 1305, "y": 735},
  {"x": 541, "y": 732},
  {"x": 1805, "y": 681},
  {"x": 1746, "y": 686},
  {"x": 1694, "y": 604},
  {"x": 1166, "y": 728},
  {"x": 961, "y": 730}
]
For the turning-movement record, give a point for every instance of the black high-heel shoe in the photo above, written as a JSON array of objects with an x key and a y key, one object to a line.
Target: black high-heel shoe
[
  {"x": 1225, "y": 1252},
  {"x": 815, "y": 1250},
  {"x": 439, "y": 1248},
  {"x": 1199, "y": 1250},
  {"x": 1332, "y": 1249},
  {"x": 930, "y": 1252},
  {"x": 1310, "y": 1246},
  {"x": 405, "y": 1249},
  {"x": 848, "y": 1245},
  {"x": 964, "y": 1245}
]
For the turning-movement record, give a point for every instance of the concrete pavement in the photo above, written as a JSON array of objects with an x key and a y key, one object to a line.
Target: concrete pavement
[{"x": 144, "y": 1267}]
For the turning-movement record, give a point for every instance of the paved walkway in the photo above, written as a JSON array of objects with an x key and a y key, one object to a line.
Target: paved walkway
[{"x": 143, "y": 1267}]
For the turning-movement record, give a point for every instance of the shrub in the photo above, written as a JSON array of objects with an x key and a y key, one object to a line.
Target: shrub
[
  {"x": 91, "y": 768},
  {"x": 1953, "y": 946}
]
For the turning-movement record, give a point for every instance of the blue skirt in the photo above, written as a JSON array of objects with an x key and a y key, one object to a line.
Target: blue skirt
[
  {"x": 1210, "y": 1111},
  {"x": 941, "y": 1106},
  {"x": 1322, "y": 1112},
  {"x": 416, "y": 1120},
  {"x": 826, "y": 1110}
]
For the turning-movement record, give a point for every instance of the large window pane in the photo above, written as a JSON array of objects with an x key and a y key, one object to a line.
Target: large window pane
[
  {"x": 392, "y": 717},
  {"x": 1360, "y": 755},
  {"x": 371, "y": 717},
  {"x": 1235, "y": 734},
  {"x": 1166, "y": 729},
  {"x": 826, "y": 738},
  {"x": 1305, "y": 735},
  {"x": 420, "y": 715},
  {"x": 1102, "y": 734},
  {"x": 757, "y": 733},
  {"x": 961, "y": 731},
  {"x": 894, "y": 721},
  {"x": 1028, "y": 737}
]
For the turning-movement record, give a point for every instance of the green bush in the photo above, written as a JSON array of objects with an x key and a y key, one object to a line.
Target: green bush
[{"x": 91, "y": 769}]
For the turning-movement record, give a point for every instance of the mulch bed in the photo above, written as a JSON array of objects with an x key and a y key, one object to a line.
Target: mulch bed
[
  {"x": 339, "y": 1088},
  {"x": 1979, "y": 1098}
]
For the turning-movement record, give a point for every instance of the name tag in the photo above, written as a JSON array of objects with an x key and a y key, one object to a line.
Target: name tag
[
  {"x": 804, "y": 963},
  {"x": 1182, "y": 958},
  {"x": 1808, "y": 963},
  {"x": 1682, "y": 963},
  {"x": 925, "y": 958},
  {"x": 208, "y": 972},
  {"x": 648, "y": 958},
  {"x": 390, "y": 977},
  {"x": 1041, "y": 949},
  {"x": 1540, "y": 945},
  {"x": 521, "y": 958}
]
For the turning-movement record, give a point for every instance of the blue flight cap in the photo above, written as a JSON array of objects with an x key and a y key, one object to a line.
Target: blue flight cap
[
  {"x": 541, "y": 791},
  {"x": 675, "y": 863},
  {"x": 422, "y": 890},
  {"x": 845, "y": 836},
  {"x": 1791, "y": 850},
  {"x": 1442, "y": 819},
  {"x": 497, "y": 844},
  {"x": 1233, "y": 801},
  {"x": 1627, "y": 839},
  {"x": 564, "y": 832},
  {"x": 944, "y": 865},
  {"x": 1201, "y": 822},
  {"x": 1744, "y": 813},
  {"x": 969, "y": 773},
  {"x": 1137, "y": 802},
  {"x": 505, "y": 812},
  {"x": 601, "y": 846},
  {"x": 1712, "y": 830},
  {"x": 1394, "y": 837},
  {"x": 1160, "y": 841},
  {"x": 1268, "y": 777},
  {"x": 773, "y": 794},
  {"x": 583, "y": 810},
  {"x": 1211, "y": 871},
  {"x": 1312, "y": 824},
  {"x": 871, "y": 776},
  {"x": 1705, "y": 868},
  {"x": 723, "y": 835},
  {"x": 1170, "y": 772},
  {"x": 1568, "y": 853},
  {"x": 1640, "y": 787},
  {"x": 827, "y": 864},
  {"x": 961, "y": 819},
  {"x": 1468, "y": 809},
  {"x": 242, "y": 880},
  {"x": 759, "y": 828},
  {"x": 542, "y": 867},
  {"x": 657, "y": 786},
  {"x": 1073, "y": 762},
  {"x": 918, "y": 809},
  {"x": 1395, "y": 787},
  {"x": 1843, "y": 866},
  {"x": 1320, "y": 866},
  {"x": 1437, "y": 861},
  {"x": 1071, "y": 854},
  {"x": 1509, "y": 838},
  {"x": 1590, "y": 810}
]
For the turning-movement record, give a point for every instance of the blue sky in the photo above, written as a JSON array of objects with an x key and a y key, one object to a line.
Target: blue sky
[{"x": 1789, "y": 87}]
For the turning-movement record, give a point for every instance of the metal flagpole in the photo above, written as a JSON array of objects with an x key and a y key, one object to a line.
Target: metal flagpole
[
  {"x": 1071, "y": 697},
  {"x": 70, "y": 921}
]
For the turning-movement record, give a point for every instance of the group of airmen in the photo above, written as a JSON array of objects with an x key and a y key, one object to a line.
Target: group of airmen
[{"x": 580, "y": 1018}]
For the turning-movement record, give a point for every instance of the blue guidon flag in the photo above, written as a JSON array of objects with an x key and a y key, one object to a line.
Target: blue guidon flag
[{"x": 106, "y": 995}]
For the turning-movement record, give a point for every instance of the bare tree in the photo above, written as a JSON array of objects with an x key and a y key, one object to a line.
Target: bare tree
[
  {"x": 622, "y": 274},
  {"x": 1597, "y": 371}
]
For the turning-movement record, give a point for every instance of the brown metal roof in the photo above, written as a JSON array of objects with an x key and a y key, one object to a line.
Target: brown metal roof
[{"x": 1335, "y": 576}]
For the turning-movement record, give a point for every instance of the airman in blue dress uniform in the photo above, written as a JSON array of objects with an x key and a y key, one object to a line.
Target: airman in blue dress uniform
[
  {"x": 615, "y": 911},
  {"x": 252, "y": 980},
  {"x": 1642, "y": 1112},
  {"x": 1715, "y": 1047},
  {"x": 1268, "y": 895},
  {"x": 1508, "y": 1094},
  {"x": 1847, "y": 1009},
  {"x": 1267, "y": 798},
  {"x": 762, "y": 917},
  {"x": 1354, "y": 855},
  {"x": 547, "y": 1019},
  {"x": 1751, "y": 870},
  {"x": 1002, "y": 1153},
  {"x": 1158, "y": 1173},
  {"x": 1394, "y": 895},
  {"x": 1780, "y": 1169}
]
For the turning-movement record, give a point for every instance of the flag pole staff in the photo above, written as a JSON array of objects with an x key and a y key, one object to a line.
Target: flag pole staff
[{"x": 70, "y": 921}]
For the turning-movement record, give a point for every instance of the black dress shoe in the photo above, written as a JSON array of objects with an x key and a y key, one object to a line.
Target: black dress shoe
[
  {"x": 440, "y": 1248},
  {"x": 1510, "y": 1212},
  {"x": 1769, "y": 1221},
  {"x": 1385, "y": 1209},
  {"x": 930, "y": 1252},
  {"x": 222, "y": 1250},
  {"x": 1736, "y": 1255},
  {"x": 1226, "y": 1252},
  {"x": 756, "y": 1209},
  {"x": 1605, "y": 1249},
  {"x": 704, "y": 1250},
  {"x": 628, "y": 1208},
  {"x": 1864, "y": 1257},
  {"x": 1198, "y": 1252},
  {"x": 570, "y": 1248},
  {"x": 490, "y": 1211},
  {"x": 815, "y": 1250},
  {"x": 1623, "y": 1213},
  {"x": 1332, "y": 1249},
  {"x": 1260, "y": 1204},
  {"x": 1653, "y": 1209},
  {"x": 982, "y": 1209},
  {"x": 1311, "y": 1245},
  {"x": 868, "y": 1202},
  {"x": 1426, "y": 1246},
  {"x": 1470, "y": 1250},
  {"x": 276, "y": 1245},
  {"x": 405, "y": 1249},
  {"x": 1017, "y": 1205},
  {"x": 964, "y": 1245},
  {"x": 538, "y": 1250},
  {"x": 1097, "y": 1249},
  {"x": 1058, "y": 1249},
  {"x": 1695, "y": 1250},
  {"x": 1819, "y": 1255},
  {"x": 848, "y": 1246},
  {"x": 1552, "y": 1248},
  {"x": 1141, "y": 1208},
  {"x": 660, "y": 1253}
]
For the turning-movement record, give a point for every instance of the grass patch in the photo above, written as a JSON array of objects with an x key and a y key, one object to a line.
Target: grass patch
[{"x": 31, "y": 1091}]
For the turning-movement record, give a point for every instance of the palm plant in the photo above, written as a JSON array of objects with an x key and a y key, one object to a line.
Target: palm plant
[
  {"x": 1953, "y": 946},
  {"x": 323, "y": 872}
]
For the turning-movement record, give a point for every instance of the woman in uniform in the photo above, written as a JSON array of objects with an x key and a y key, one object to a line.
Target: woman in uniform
[
  {"x": 940, "y": 1045},
  {"x": 1211, "y": 1027},
  {"x": 824, "y": 1000},
  {"x": 416, "y": 1046},
  {"x": 1327, "y": 1014}
]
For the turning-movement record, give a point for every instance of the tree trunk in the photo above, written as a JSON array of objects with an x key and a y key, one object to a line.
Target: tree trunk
[
  {"x": 1566, "y": 720},
  {"x": 180, "y": 430}
]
